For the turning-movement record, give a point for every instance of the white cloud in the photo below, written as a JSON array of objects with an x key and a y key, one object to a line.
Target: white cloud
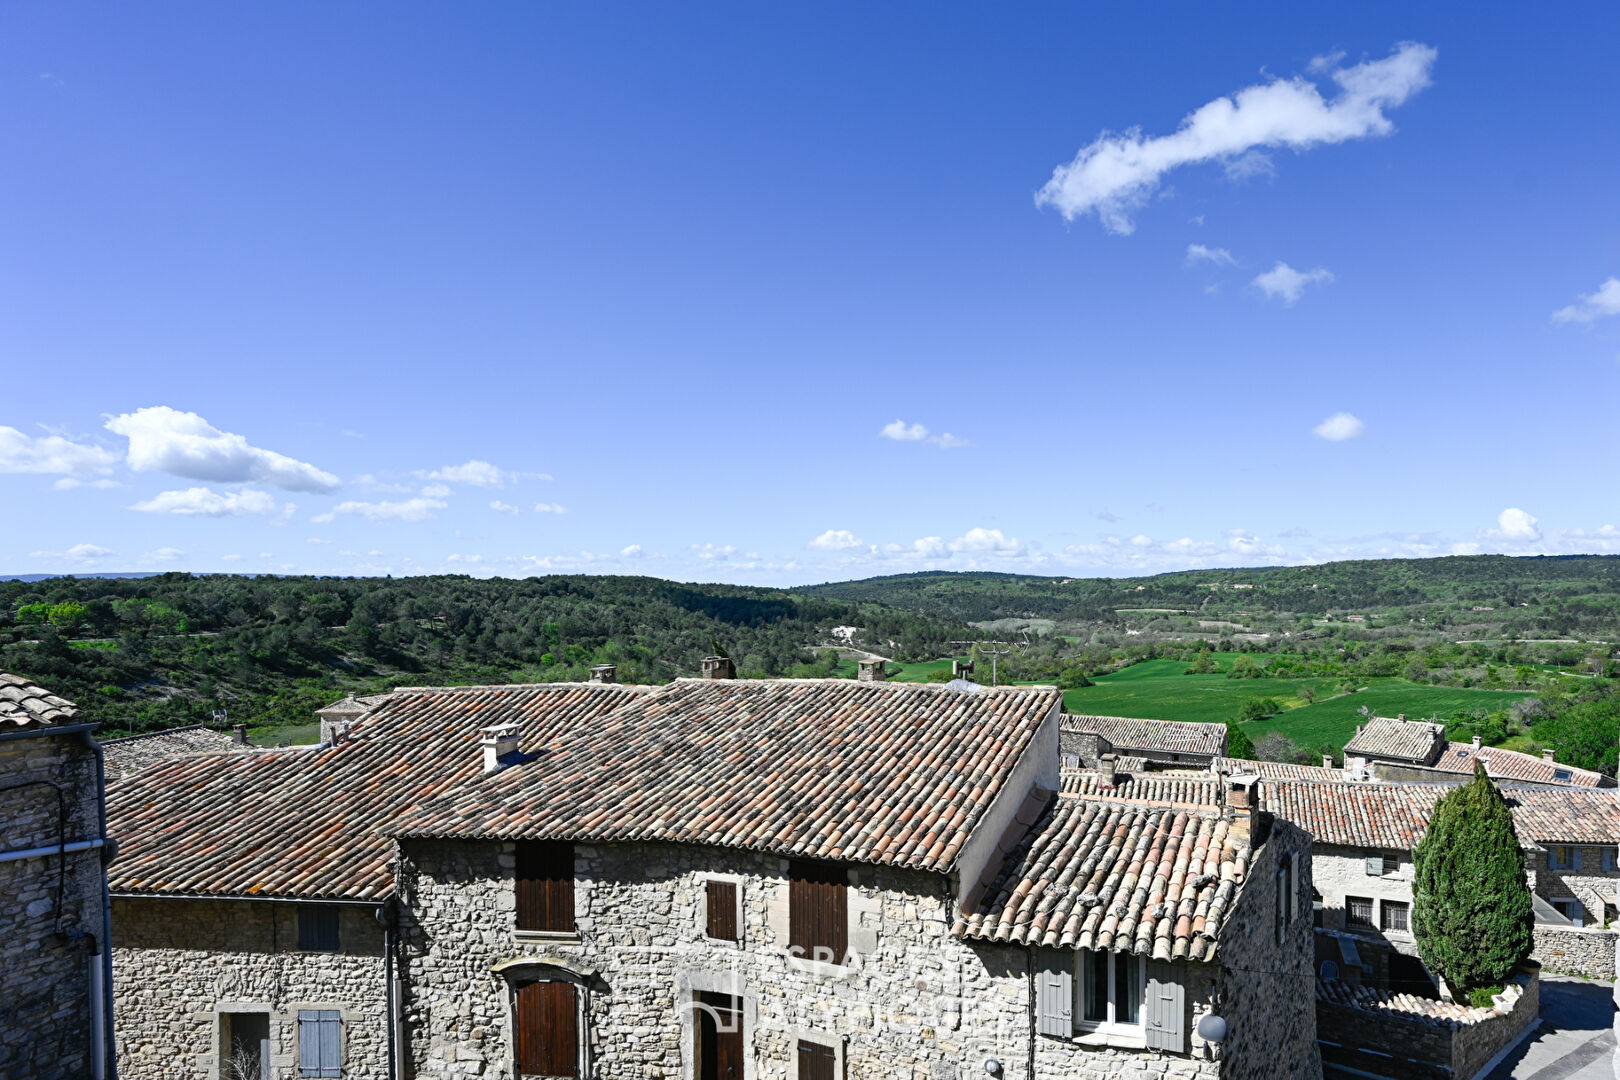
[
  {"x": 68, "y": 483},
  {"x": 162, "y": 439},
  {"x": 1249, "y": 165},
  {"x": 1116, "y": 174},
  {"x": 987, "y": 541},
  {"x": 550, "y": 508},
  {"x": 316, "y": 540},
  {"x": 931, "y": 547},
  {"x": 836, "y": 540},
  {"x": 418, "y": 509},
  {"x": 631, "y": 551},
  {"x": 904, "y": 432},
  {"x": 901, "y": 431},
  {"x": 1284, "y": 281},
  {"x": 46, "y": 454},
  {"x": 1339, "y": 427},
  {"x": 481, "y": 474},
  {"x": 230, "y": 558},
  {"x": 435, "y": 491},
  {"x": 1516, "y": 524},
  {"x": 504, "y": 508},
  {"x": 714, "y": 553},
  {"x": 1606, "y": 301},
  {"x": 201, "y": 502},
  {"x": 162, "y": 555},
  {"x": 1197, "y": 253},
  {"x": 83, "y": 554}
]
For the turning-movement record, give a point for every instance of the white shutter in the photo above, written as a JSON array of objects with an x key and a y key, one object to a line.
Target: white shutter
[
  {"x": 1166, "y": 1009},
  {"x": 1054, "y": 993}
]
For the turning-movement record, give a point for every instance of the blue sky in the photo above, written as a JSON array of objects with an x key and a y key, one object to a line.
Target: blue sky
[{"x": 766, "y": 294}]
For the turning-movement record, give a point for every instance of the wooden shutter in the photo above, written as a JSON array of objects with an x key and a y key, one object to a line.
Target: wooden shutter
[
  {"x": 1054, "y": 993},
  {"x": 1608, "y": 859},
  {"x": 818, "y": 911},
  {"x": 320, "y": 1042},
  {"x": 817, "y": 1062},
  {"x": 1577, "y": 864},
  {"x": 318, "y": 927},
  {"x": 545, "y": 886},
  {"x": 1375, "y": 866},
  {"x": 722, "y": 910},
  {"x": 1166, "y": 1009},
  {"x": 547, "y": 1030}
]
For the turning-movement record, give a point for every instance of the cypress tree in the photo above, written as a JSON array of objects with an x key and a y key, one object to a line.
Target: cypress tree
[
  {"x": 1472, "y": 915},
  {"x": 1238, "y": 744}
]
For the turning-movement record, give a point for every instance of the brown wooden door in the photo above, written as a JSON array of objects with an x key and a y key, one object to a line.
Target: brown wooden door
[
  {"x": 547, "y": 1030},
  {"x": 817, "y": 1062},
  {"x": 720, "y": 1037}
]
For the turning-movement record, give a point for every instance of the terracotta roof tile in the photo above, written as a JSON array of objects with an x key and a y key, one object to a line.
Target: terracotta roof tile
[
  {"x": 125, "y": 755},
  {"x": 1395, "y": 816},
  {"x": 1117, "y": 877},
  {"x": 26, "y": 704},
  {"x": 1512, "y": 765},
  {"x": 1165, "y": 736},
  {"x": 1378, "y": 1002},
  {"x": 1169, "y": 789},
  {"x": 1281, "y": 770},
  {"x": 1408, "y": 740}
]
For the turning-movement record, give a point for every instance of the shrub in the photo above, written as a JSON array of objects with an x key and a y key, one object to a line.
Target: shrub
[
  {"x": 1237, "y": 743},
  {"x": 1277, "y": 747},
  {"x": 1472, "y": 915}
]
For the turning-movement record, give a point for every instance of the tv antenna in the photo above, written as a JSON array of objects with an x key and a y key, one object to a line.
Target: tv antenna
[{"x": 994, "y": 654}]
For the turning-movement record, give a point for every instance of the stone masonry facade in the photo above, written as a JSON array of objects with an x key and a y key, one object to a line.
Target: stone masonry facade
[
  {"x": 50, "y": 907},
  {"x": 912, "y": 1002},
  {"x": 182, "y": 967}
]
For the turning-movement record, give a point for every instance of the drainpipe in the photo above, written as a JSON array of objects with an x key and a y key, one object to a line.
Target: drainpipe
[
  {"x": 1029, "y": 1031},
  {"x": 391, "y": 988},
  {"x": 108, "y": 1065}
]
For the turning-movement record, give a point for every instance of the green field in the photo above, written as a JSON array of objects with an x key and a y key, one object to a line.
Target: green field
[{"x": 1157, "y": 690}]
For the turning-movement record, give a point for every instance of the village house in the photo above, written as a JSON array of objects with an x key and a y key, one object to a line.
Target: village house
[
  {"x": 55, "y": 979},
  {"x": 1417, "y": 751},
  {"x": 716, "y": 878},
  {"x": 1157, "y": 742},
  {"x": 130, "y": 752}
]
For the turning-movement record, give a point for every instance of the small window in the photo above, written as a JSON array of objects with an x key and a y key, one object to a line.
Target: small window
[
  {"x": 1316, "y": 909},
  {"x": 1111, "y": 990},
  {"x": 1563, "y": 776},
  {"x": 1395, "y": 916},
  {"x": 320, "y": 1042},
  {"x": 1610, "y": 912},
  {"x": 817, "y": 1061},
  {"x": 1607, "y": 859},
  {"x": 722, "y": 913},
  {"x": 818, "y": 911},
  {"x": 1358, "y": 912},
  {"x": 545, "y": 886},
  {"x": 1392, "y": 864},
  {"x": 318, "y": 927},
  {"x": 1561, "y": 858},
  {"x": 1571, "y": 909}
]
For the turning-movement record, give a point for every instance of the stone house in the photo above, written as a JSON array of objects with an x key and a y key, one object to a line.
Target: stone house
[
  {"x": 1155, "y": 742},
  {"x": 1363, "y": 836},
  {"x": 717, "y": 878},
  {"x": 55, "y": 975},
  {"x": 1402, "y": 750}
]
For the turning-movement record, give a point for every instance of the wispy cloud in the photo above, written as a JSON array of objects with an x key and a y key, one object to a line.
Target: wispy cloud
[
  {"x": 202, "y": 502},
  {"x": 183, "y": 444},
  {"x": 1339, "y": 427},
  {"x": 68, "y": 483},
  {"x": 1598, "y": 305},
  {"x": 79, "y": 554},
  {"x": 900, "y": 431},
  {"x": 1115, "y": 174},
  {"x": 48, "y": 454},
  {"x": 1197, "y": 253},
  {"x": 1289, "y": 284},
  {"x": 550, "y": 508},
  {"x": 504, "y": 508},
  {"x": 482, "y": 474},
  {"x": 418, "y": 509}
]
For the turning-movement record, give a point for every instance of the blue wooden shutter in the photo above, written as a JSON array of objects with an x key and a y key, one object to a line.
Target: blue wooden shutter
[
  {"x": 1166, "y": 1009},
  {"x": 1054, "y": 993},
  {"x": 1375, "y": 865},
  {"x": 320, "y": 1042},
  {"x": 1577, "y": 858},
  {"x": 1608, "y": 859}
]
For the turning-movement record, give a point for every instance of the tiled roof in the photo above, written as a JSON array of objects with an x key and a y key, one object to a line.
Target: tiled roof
[
  {"x": 1408, "y": 740},
  {"x": 819, "y": 768},
  {"x": 1117, "y": 877},
  {"x": 1395, "y": 816},
  {"x": 133, "y": 752},
  {"x": 1280, "y": 770},
  {"x": 1182, "y": 790},
  {"x": 1166, "y": 736},
  {"x": 1511, "y": 765},
  {"x": 305, "y": 822},
  {"x": 26, "y": 704},
  {"x": 1405, "y": 1006}
]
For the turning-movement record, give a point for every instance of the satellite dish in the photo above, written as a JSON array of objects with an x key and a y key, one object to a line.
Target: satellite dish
[
  {"x": 1212, "y": 1028},
  {"x": 1330, "y": 970}
]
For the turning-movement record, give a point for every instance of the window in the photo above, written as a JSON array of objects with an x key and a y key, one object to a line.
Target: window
[
  {"x": 1608, "y": 859},
  {"x": 1110, "y": 990},
  {"x": 817, "y": 1062},
  {"x": 318, "y": 927},
  {"x": 1282, "y": 900},
  {"x": 818, "y": 911},
  {"x": 1563, "y": 775},
  {"x": 247, "y": 1045},
  {"x": 545, "y": 886},
  {"x": 1396, "y": 916},
  {"x": 722, "y": 920},
  {"x": 1562, "y": 858},
  {"x": 320, "y": 1043},
  {"x": 1610, "y": 912},
  {"x": 1392, "y": 864},
  {"x": 1358, "y": 912},
  {"x": 1383, "y": 865},
  {"x": 1316, "y": 909}
]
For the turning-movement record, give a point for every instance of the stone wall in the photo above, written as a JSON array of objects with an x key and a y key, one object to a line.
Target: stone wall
[
  {"x": 50, "y": 942},
  {"x": 912, "y": 1002},
  {"x": 1591, "y": 885},
  {"x": 1568, "y": 950},
  {"x": 1342, "y": 871},
  {"x": 180, "y": 964}
]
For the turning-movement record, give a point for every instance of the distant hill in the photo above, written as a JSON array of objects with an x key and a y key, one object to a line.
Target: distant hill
[{"x": 113, "y": 574}]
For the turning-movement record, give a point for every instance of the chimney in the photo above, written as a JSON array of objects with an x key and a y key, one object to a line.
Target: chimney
[
  {"x": 336, "y": 718},
  {"x": 1547, "y": 754},
  {"x": 872, "y": 670},
  {"x": 500, "y": 746},
  {"x": 239, "y": 732},
  {"x": 1327, "y": 761},
  {"x": 1108, "y": 771},
  {"x": 1242, "y": 797},
  {"x": 333, "y": 730},
  {"x": 605, "y": 673},
  {"x": 961, "y": 669},
  {"x": 719, "y": 667},
  {"x": 1476, "y": 744},
  {"x": 1401, "y": 717}
]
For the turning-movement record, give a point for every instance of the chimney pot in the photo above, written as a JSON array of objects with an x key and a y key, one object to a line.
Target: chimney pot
[
  {"x": 1108, "y": 770},
  {"x": 500, "y": 746},
  {"x": 1242, "y": 795},
  {"x": 1547, "y": 754},
  {"x": 872, "y": 670},
  {"x": 719, "y": 667},
  {"x": 239, "y": 732},
  {"x": 605, "y": 673},
  {"x": 1402, "y": 716}
]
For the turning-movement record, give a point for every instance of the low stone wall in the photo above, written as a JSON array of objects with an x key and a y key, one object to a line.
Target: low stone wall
[
  {"x": 1392, "y": 1035},
  {"x": 1574, "y": 950}
]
